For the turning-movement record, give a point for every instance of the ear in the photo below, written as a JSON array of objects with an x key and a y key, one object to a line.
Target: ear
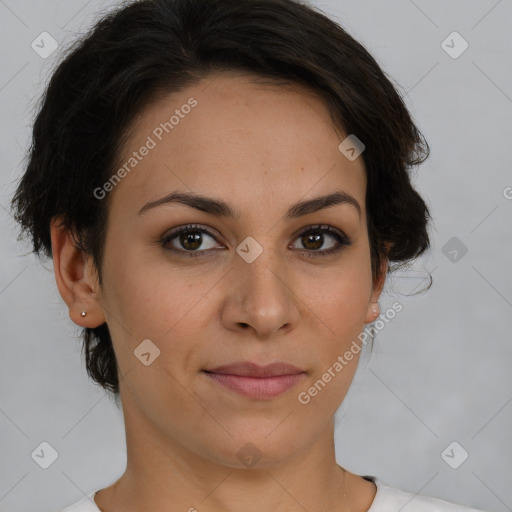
[
  {"x": 373, "y": 306},
  {"x": 76, "y": 277}
]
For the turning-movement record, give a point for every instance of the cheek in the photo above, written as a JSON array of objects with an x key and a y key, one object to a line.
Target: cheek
[
  {"x": 165, "y": 304},
  {"x": 340, "y": 300},
  {"x": 152, "y": 295},
  {"x": 142, "y": 291},
  {"x": 151, "y": 298},
  {"x": 340, "y": 295},
  {"x": 341, "y": 305}
]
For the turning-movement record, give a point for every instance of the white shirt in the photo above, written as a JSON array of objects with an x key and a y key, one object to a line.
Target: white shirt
[{"x": 387, "y": 499}]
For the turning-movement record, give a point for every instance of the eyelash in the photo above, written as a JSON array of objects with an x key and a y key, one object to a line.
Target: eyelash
[{"x": 342, "y": 240}]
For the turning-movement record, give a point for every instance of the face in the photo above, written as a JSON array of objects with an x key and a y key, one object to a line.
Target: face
[{"x": 259, "y": 281}]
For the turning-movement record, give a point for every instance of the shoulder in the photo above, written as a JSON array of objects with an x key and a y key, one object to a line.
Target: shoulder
[
  {"x": 86, "y": 504},
  {"x": 392, "y": 499}
]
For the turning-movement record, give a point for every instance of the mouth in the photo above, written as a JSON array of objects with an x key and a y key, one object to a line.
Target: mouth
[{"x": 255, "y": 381}]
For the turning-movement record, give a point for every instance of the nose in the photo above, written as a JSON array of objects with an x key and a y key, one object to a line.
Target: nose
[{"x": 260, "y": 297}]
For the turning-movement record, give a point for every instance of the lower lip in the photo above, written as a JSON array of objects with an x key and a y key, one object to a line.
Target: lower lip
[{"x": 259, "y": 388}]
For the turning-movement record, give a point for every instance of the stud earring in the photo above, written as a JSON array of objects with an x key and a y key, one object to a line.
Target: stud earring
[
  {"x": 375, "y": 310},
  {"x": 83, "y": 314}
]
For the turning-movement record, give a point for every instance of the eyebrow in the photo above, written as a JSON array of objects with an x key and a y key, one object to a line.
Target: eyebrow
[{"x": 222, "y": 209}]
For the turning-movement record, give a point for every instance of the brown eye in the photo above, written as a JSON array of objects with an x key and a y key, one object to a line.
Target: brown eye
[
  {"x": 312, "y": 241},
  {"x": 192, "y": 240},
  {"x": 315, "y": 237},
  {"x": 189, "y": 240}
]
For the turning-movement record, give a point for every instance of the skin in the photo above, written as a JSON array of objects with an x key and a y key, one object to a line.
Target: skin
[{"x": 262, "y": 148}]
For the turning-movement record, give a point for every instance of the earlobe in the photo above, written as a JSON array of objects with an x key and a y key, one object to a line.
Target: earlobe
[
  {"x": 372, "y": 313},
  {"x": 74, "y": 277},
  {"x": 374, "y": 307}
]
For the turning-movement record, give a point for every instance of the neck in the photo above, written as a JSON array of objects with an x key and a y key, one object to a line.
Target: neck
[{"x": 163, "y": 475}]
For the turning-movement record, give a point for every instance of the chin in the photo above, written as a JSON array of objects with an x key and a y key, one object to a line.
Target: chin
[{"x": 256, "y": 447}]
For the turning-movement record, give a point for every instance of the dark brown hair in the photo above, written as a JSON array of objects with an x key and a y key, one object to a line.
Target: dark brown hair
[{"x": 150, "y": 47}]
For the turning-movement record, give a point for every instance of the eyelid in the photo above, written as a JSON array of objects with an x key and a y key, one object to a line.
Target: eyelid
[
  {"x": 202, "y": 228},
  {"x": 342, "y": 239},
  {"x": 321, "y": 227}
]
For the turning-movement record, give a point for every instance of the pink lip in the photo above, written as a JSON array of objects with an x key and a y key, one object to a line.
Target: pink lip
[{"x": 255, "y": 381}]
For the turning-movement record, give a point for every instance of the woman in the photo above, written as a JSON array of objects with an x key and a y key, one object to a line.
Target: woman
[{"x": 223, "y": 188}]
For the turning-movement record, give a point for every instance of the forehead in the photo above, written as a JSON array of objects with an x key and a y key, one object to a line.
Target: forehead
[{"x": 227, "y": 136}]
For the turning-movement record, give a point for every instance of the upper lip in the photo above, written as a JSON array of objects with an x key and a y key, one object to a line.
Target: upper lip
[{"x": 250, "y": 369}]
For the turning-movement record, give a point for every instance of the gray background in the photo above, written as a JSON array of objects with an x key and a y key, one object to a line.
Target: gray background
[{"x": 439, "y": 372}]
